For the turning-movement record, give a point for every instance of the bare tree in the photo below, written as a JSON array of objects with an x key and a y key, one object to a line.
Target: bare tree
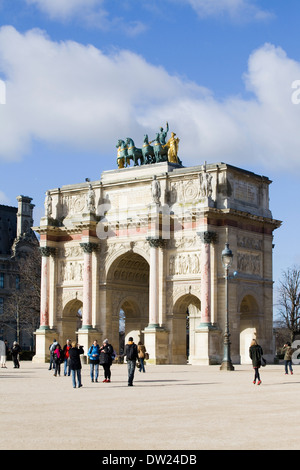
[
  {"x": 22, "y": 307},
  {"x": 289, "y": 300}
]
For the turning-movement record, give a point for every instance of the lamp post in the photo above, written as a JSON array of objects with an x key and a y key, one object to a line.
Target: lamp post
[{"x": 227, "y": 257}]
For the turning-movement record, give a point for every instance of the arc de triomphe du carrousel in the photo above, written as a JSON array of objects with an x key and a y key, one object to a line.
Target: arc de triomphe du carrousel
[{"x": 146, "y": 241}]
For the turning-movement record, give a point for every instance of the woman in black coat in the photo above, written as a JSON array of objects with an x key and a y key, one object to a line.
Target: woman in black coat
[
  {"x": 106, "y": 353},
  {"x": 255, "y": 353},
  {"x": 75, "y": 363}
]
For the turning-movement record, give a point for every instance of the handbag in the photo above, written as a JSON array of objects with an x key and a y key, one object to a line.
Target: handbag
[
  {"x": 146, "y": 355},
  {"x": 263, "y": 361}
]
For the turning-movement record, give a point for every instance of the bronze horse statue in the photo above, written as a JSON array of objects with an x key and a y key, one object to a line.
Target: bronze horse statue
[
  {"x": 148, "y": 152},
  {"x": 134, "y": 153}
]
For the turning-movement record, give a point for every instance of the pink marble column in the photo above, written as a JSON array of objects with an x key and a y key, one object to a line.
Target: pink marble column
[
  {"x": 46, "y": 252},
  {"x": 88, "y": 249},
  {"x": 205, "y": 284},
  {"x": 207, "y": 238}
]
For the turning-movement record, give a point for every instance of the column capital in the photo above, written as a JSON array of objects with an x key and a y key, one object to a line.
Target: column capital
[
  {"x": 47, "y": 251},
  {"x": 156, "y": 242},
  {"x": 89, "y": 247},
  {"x": 208, "y": 237}
]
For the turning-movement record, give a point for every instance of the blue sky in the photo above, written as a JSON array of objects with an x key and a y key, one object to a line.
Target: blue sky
[{"x": 80, "y": 74}]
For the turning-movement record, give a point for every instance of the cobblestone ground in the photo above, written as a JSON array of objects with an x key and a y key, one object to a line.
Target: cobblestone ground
[{"x": 168, "y": 408}]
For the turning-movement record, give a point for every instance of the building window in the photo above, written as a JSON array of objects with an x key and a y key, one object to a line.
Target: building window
[
  {"x": 1, "y": 280},
  {"x": 17, "y": 282},
  {"x": 1, "y": 305}
]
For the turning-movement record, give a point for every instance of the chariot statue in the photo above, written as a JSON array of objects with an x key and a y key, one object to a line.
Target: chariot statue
[{"x": 156, "y": 151}]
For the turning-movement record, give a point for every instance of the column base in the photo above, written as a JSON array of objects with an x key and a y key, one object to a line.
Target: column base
[
  {"x": 44, "y": 336},
  {"x": 156, "y": 341},
  {"x": 207, "y": 346}
]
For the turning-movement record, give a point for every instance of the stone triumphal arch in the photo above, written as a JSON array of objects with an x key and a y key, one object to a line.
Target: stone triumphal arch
[{"x": 144, "y": 243}]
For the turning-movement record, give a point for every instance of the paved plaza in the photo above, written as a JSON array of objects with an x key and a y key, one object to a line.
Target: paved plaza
[{"x": 169, "y": 408}]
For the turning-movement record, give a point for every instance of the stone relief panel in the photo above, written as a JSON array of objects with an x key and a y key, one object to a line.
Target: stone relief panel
[
  {"x": 249, "y": 263},
  {"x": 70, "y": 264},
  {"x": 184, "y": 191},
  {"x": 71, "y": 204},
  {"x": 186, "y": 242},
  {"x": 70, "y": 271},
  {"x": 249, "y": 242},
  {"x": 184, "y": 263}
]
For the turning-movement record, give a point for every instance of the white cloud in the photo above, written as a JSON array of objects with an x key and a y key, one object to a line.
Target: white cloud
[
  {"x": 236, "y": 9},
  {"x": 90, "y": 13},
  {"x": 76, "y": 96},
  {"x": 63, "y": 9}
]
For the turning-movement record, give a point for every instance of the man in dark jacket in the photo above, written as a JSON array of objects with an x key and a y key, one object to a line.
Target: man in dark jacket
[
  {"x": 75, "y": 363},
  {"x": 131, "y": 354}
]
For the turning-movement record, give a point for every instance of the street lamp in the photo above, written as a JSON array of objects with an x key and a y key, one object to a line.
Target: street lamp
[{"x": 227, "y": 257}]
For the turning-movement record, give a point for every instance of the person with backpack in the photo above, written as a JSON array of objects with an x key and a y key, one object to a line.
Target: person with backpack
[
  {"x": 58, "y": 358},
  {"x": 106, "y": 358},
  {"x": 94, "y": 354},
  {"x": 51, "y": 349},
  {"x": 131, "y": 353},
  {"x": 142, "y": 355}
]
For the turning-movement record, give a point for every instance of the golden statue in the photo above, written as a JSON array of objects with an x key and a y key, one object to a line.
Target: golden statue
[{"x": 173, "y": 144}]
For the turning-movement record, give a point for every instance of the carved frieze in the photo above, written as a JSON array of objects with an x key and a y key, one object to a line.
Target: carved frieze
[
  {"x": 249, "y": 263},
  {"x": 184, "y": 263},
  {"x": 71, "y": 204},
  {"x": 249, "y": 242},
  {"x": 70, "y": 271}
]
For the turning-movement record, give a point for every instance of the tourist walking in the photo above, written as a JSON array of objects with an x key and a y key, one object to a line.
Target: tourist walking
[
  {"x": 75, "y": 363},
  {"x": 51, "y": 349},
  {"x": 94, "y": 354},
  {"x": 131, "y": 354},
  {"x": 288, "y": 352},
  {"x": 66, "y": 349},
  {"x": 3, "y": 353},
  {"x": 141, "y": 354},
  {"x": 255, "y": 353},
  {"x": 106, "y": 358},
  {"x": 15, "y": 351},
  {"x": 58, "y": 359}
]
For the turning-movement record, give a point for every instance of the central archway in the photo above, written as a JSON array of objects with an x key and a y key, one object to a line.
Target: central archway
[{"x": 128, "y": 293}]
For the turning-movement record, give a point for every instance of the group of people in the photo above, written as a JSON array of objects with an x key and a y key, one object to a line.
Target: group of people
[
  {"x": 15, "y": 354},
  {"x": 256, "y": 355},
  {"x": 98, "y": 355}
]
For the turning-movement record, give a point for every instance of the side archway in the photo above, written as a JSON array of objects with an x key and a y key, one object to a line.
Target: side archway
[
  {"x": 186, "y": 318},
  {"x": 71, "y": 320},
  {"x": 249, "y": 325}
]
